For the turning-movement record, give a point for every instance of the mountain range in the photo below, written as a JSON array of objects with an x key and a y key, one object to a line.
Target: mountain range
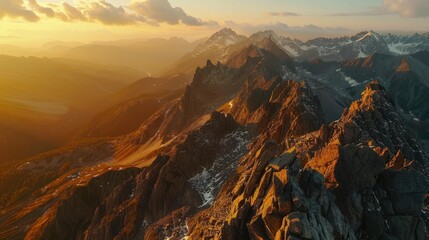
[
  {"x": 273, "y": 138},
  {"x": 226, "y": 42},
  {"x": 150, "y": 56}
]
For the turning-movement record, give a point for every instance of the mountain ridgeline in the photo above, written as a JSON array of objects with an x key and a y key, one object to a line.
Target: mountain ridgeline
[{"x": 274, "y": 138}]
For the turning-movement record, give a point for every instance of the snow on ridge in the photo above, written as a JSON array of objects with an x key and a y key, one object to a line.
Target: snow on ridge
[
  {"x": 348, "y": 79},
  {"x": 369, "y": 34},
  {"x": 351, "y": 81},
  {"x": 208, "y": 182},
  {"x": 362, "y": 54},
  {"x": 307, "y": 47},
  {"x": 400, "y": 48},
  {"x": 290, "y": 50},
  {"x": 219, "y": 40}
]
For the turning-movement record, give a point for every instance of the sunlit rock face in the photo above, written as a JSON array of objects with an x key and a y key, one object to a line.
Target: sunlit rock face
[{"x": 249, "y": 150}]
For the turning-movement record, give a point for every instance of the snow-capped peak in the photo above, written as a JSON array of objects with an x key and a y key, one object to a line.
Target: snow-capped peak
[
  {"x": 226, "y": 41},
  {"x": 225, "y": 37},
  {"x": 219, "y": 40},
  {"x": 259, "y": 36},
  {"x": 364, "y": 35}
]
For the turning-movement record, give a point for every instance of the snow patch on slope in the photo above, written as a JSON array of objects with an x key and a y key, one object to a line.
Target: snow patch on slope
[
  {"x": 290, "y": 50},
  {"x": 209, "y": 181},
  {"x": 351, "y": 81},
  {"x": 362, "y": 54},
  {"x": 400, "y": 48},
  {"x": 348, "y": 79}
]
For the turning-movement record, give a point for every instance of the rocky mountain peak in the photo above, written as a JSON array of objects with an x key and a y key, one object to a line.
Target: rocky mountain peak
[
  {"x": 366, "y": 35},
  {"x": 260, "y": 36},
  {"x": 225, "y": 37},
  {"x": 225, "y": 32},
  {"x": 374, "y": 96},
  {"x": 379, "y": 123},
  {"x": 243, "y": 56},
  {"x": 273, "y": 46},
  {"x": 370, "y": 121}
]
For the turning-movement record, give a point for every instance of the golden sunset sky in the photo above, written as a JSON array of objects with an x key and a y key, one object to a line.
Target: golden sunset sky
[{"x": 34, "y": 22}]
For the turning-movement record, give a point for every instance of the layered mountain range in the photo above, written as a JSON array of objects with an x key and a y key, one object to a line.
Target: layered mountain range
[
  {"x": 263, "y": 144},
  {"x": 220, "y": 45}
]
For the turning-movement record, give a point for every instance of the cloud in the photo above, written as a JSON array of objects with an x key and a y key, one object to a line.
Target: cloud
[
  {"x": 161, "y": 11},
  {"x": 72, "y": 13},
  {"x": 106, "y": 13},
  {"x": 45, "y": 10},
  {"x": 408, "y": 8},
  {"x": 16, "y": 9},
  {"x": 151, "y": 12},
  {"x": 283, "y": 14}
]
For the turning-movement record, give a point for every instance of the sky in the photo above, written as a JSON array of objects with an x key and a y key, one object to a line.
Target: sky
[{"x": 34, "y": 22}]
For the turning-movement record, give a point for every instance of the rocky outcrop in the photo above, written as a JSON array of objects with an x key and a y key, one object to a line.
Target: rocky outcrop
[
  {"x": 348, "y": 168},
  {"x": 401, "y": 192},
  {"x": 371, "y": 121},
  {"x": 283, "y": 108},
  {"x": 296, "y": 112},
  {"x": 273, "y": 200},
  {"x": 357, "y": 153}
]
